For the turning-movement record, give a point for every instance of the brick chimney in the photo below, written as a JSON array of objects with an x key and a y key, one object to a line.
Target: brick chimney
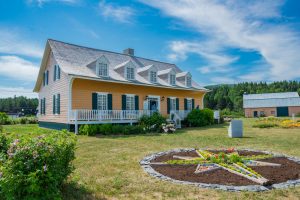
[{"x": 129, "y": 52}]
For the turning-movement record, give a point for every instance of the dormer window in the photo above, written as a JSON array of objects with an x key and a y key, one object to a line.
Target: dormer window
[
  {"x": 130, "y": 73},
  {"x": 153, "y": 76},
  {"x": 103, "y": 69},
  {"x": 172, "y": 79},
  {"x": 188, "y": 81}
]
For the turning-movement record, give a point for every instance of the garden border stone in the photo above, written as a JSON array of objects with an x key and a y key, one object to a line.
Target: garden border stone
[{"x": 146, "y": 165}]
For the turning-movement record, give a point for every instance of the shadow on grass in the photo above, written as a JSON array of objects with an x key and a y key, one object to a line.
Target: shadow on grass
[{"x": 74, "y": 191}]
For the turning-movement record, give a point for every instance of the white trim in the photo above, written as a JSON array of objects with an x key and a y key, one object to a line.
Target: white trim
[
  {"x": 102, "y": 60},
  {"x": 71, "y": 80},
  {"x": 131, "y": 95},
  {"x": 140, "y": 84},
  {"x": 158, "y": 100},
  {"x": 102, "y": 93},
  {"x": 173, "y": 97}
]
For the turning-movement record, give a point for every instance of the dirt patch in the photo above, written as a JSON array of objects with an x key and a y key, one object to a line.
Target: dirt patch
[
  {"x": 289, "y": 170},
  {"x": 241, "y": 152},
  {"x": 186, "y": 173},
  {"x": 169, "y": 156}
]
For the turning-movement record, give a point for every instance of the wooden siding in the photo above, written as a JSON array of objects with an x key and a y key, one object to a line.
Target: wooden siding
[
  {"x": 269, "y": 111},
  {"x": 82, "y": 94},
  {"x": 60, "y": 86}
]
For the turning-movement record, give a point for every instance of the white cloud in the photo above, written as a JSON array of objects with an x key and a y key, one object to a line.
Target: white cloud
[
  {"x": 40, "y": 3},
  {"x": 240, "y": 24},
  {"x": 123, "y": 14},
  {"x": 12, "y": 43},
  {"x": 218, "y": 61},
  {"x": 18, "y": 91},
  {"x": 17, "y": 68}
]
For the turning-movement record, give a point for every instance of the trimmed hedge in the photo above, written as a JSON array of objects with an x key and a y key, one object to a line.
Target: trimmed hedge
[
  {"x": 153, "y": 123},
  {"x": 5, "y": 120},
  {"x": 197, "y": 118},
  {"x": 109, "y": 129},
  {"x": 35, "y": 168}
]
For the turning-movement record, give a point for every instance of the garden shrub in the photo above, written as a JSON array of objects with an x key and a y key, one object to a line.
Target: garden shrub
[
  {"x": 153, "y": 122},
  {"x": 3, "y": 118},
  {"x": 1, "y": 128},
  {"x": 265, "y": 125},
  {"x": 198, "y": 118},
  {"x": 88, "y": 129},
  {"x": 105, "y": 129},
  {"x": 36, "y": 167},
  {"x": 117, "y": 129}
]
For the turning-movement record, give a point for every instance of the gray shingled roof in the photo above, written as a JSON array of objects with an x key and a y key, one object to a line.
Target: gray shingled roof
[
  {"x": 271, "y": 100},
  {"x": 73, "y": 60}
]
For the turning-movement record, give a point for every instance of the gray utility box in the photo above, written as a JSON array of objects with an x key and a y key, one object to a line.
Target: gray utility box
[{"x": 235, "y": 129}]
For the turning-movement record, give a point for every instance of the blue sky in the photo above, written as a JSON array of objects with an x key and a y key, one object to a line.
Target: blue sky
[{"x": 218, "y": 41}]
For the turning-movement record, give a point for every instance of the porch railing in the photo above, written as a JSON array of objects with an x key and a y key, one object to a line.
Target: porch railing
[{"x": 107, "y": 115}]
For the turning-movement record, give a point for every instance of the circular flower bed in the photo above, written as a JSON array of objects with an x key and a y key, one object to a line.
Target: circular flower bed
[{"x": 231, "y": 170}]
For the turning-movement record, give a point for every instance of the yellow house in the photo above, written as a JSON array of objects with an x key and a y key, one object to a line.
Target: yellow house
[{"x": 81, "y": 85}]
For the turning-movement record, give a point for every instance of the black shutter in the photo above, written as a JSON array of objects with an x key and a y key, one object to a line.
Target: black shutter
[
  {"x": 168, "y": 105},
  {"x": 58, "y": 103},
  {"x": 47, "y": 77},
  {"x": 177, "y": 103},
  {"x": 44, "y": 106},
  {"x": 41, "y": 106},
  {"x": 58, "y": 71},
  {"x": 55, "y": 71},
  {"x": 109, "y": 99},
  {"x": 44, "y": 78},
  {"x": 193, "y": 103},
  {"x": 123, "y": 102},
  {"x": 185, "y": 104},
  {"x": 136, "y": 101},
  {"x": 95, "y": 101},
  {"x": 53, "y": 104}
]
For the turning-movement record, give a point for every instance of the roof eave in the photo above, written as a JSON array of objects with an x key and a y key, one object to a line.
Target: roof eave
[{"x": 42, "y": 67}]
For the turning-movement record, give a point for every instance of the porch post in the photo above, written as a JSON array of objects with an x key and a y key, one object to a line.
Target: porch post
[{"x": 76, "y": 123}]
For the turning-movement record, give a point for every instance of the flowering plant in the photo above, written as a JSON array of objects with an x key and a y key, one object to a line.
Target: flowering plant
[
  {"x": 35, "y": 168},
  {"x": 169, "y": 128}
]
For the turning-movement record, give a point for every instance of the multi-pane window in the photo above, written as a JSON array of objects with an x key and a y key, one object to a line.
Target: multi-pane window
[
  {"x": 103, "y": 69},
  {"x": 188, "y": 81},
  {"x": 102, "y": 101},
  {"x": 56, "y": 75},
  {"x": 56, "y": 104},
  {"x": 43, "y": 106},
  {"x": 172, "y": 104},
  {"x": 189, "y": 104},
  {"x": 130, "y": 73},
  {"x": 130, "y": 104},
  {"x": 172, "y": 79},
  {"x": 153, "y": 76}
]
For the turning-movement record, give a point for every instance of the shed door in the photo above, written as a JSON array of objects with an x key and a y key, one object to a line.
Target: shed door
[{"x": 282, "y": 111}]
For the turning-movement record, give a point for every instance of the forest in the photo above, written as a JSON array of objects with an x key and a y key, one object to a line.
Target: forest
[
  {"x": 22, "y": 105},
  {"x": 230, "y": 97}
]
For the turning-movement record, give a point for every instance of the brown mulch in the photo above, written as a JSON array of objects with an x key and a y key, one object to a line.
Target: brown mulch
[
  {"x": 241, "y": 152},
  {"x": 289, "y": 170},
  {"x": 170, "y": 156}
]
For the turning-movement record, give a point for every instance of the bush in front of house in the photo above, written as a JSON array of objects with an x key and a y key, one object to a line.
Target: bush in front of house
[
  {"x": 88, "y": 129},
  {"x": 111, "y": 129},
  {"x": 35, "y": 168},
  {"x": 198, "y": 118},
  {"x": 153, "y": 123}
]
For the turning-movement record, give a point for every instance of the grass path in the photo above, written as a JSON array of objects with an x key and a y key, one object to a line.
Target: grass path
[{"x": 108, "y": 167}]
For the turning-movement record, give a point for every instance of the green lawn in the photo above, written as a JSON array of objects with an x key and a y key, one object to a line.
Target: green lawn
[{"x": 108, "y": 167}]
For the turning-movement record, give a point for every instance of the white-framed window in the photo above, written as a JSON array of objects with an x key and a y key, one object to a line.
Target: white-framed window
[
  {"x": 172, "y": 79},
  {"x": 189, "y": 104},
  {"x": 56, "y": 72},
  {"x": 153, "y": 76},
  {"x": 172, "y": 104},
  {"x": 102, "y": 101},
  {"x": 102, "y": 69},
  {"x": 188, "y": 81},
  {"x": 130, "y": 73},
  {"x": 130, "y": 102}
]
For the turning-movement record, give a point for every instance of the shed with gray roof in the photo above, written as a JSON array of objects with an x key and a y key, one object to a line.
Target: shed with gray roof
[{"x": 271, "y": 104}]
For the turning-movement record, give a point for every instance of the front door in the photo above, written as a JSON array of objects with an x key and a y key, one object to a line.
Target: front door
[
  {"x": 255, "y": 114},
  {"x": 282, "y": 111},
  {"x": 153, "y": 105}
]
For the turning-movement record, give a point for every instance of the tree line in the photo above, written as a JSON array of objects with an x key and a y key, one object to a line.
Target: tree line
[
  {"x": 21, "y": 105},
  {"x": 230, "y": 97}
]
